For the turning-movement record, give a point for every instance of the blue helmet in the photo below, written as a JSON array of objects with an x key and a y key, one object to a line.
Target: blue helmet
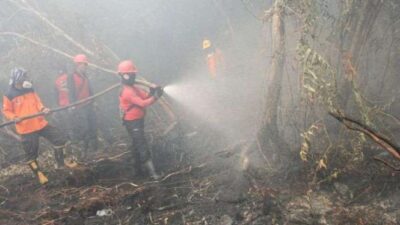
[{"x": 17, "y": 75}]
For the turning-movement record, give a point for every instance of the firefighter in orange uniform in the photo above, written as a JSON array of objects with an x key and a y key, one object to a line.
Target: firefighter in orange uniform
[
  {"x": 21, "y": 100},
  {"x": 215, "y": 59},
  {"x": 84, "y": 116},
  {"x": 133, "y": 103},
  {"x": 81, "y": 120},
  {"x": 62, "y": 99}
]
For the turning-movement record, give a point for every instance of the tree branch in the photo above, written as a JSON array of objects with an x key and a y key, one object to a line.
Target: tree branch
[{"x": 352, "y": 124}]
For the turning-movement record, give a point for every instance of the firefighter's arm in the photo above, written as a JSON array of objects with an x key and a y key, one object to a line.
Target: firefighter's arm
[
  {"x": 137, "y": 100},
  {"x": 154, "y": 92},
  {"x": 143, "y": 94},
  {"x": 8, "y": 109}
]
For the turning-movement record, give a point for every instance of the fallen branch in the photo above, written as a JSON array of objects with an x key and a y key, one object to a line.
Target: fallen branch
[
  {"x": 4, "y": 188},
  {"x": 173, "y": 206},
  {"x": 379, "y": 139},
  {"x": 183, "y": 171},
  {"x": 9, "y": 214},
  {"x": 126, "y": 183},
  {"x": 113, "y": 157}
]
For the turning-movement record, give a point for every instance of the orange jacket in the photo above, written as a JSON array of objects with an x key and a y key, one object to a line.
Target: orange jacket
[
  {"x": 80, "y": 89},
  {"x": 62, "y": 90},
  {"x": 216, "y": 63},
  {"x": 133, "y": 102},
  {"x": 19, "y": 103},
  {"x": 72, "y": 88}
]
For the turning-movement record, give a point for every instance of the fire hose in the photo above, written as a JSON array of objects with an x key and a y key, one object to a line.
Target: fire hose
[{"x": 105, "y": 91}]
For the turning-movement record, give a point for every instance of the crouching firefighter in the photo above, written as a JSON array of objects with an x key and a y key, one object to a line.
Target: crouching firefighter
[
  {"x": 21, "y": 100},
  {"x": 133, "y": 102}
]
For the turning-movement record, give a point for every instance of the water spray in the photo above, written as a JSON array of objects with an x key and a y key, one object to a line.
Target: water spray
[{"x": 171, "y": 90}]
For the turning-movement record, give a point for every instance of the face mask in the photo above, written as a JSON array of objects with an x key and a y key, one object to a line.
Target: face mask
[
  {"x": 128, "y": 79},
  {"x": 82, "y": 68},
  {"x": 27, "y": 84}
]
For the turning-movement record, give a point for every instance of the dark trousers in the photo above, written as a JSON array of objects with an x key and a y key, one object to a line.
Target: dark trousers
[
  {"x": 65, "y": 122},
  {"x": 30, "y": 142},
  {"x": 139, "y": 147},
  {"x": 105, "y": 126},
  {"x": 85, "y": 126}
]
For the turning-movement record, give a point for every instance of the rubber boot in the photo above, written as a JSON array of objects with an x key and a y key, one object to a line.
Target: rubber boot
[
  {"x": 59, "y": 157},
  {"x": 70, "y": 160},
  {"x": 151, "y": 170},
  {"x": 39, "y": 174}
]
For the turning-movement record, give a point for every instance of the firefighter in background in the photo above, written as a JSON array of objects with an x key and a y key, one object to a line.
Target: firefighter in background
[
  {"x": 215, "y": 59},
  {"x": 62, "y": 99},
  {"x": 73, "y": 88},
  {"x": 133, "y": 103},
  {"x": 21, "y": 100}
]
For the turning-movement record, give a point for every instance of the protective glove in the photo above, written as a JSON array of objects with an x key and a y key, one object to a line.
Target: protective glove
[
  {"x": 152, "y": 91},
  {"x": 71, "y": 109},
  {"x": 46, "y": 110},
  {"x": 158, "y": 92}
]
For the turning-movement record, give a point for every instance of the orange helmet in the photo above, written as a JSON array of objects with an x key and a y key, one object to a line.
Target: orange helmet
[
  {"x": 81, "y": 58},
  {"x": 127, "y": 66}
]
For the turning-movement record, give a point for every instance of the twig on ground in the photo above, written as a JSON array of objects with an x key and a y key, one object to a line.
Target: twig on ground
[
  {"x": 126, "y": 183},
  {"x": 183, "y": 171},
  {"x": 262, "y": 154}
]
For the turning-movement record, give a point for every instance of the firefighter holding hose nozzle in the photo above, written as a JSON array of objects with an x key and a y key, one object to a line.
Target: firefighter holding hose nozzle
[{"x": 133, "y": 102}]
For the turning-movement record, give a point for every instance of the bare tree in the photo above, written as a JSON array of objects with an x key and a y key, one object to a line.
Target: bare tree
[{"x": 269, "y": 134}]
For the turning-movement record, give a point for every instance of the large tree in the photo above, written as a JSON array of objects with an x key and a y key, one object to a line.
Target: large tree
[{"x": 269, "y": 137}]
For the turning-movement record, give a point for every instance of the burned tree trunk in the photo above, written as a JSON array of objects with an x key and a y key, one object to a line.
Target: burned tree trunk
[
  {"x": 364, "y": 26},
  {"x": 269, "y": 137}
]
